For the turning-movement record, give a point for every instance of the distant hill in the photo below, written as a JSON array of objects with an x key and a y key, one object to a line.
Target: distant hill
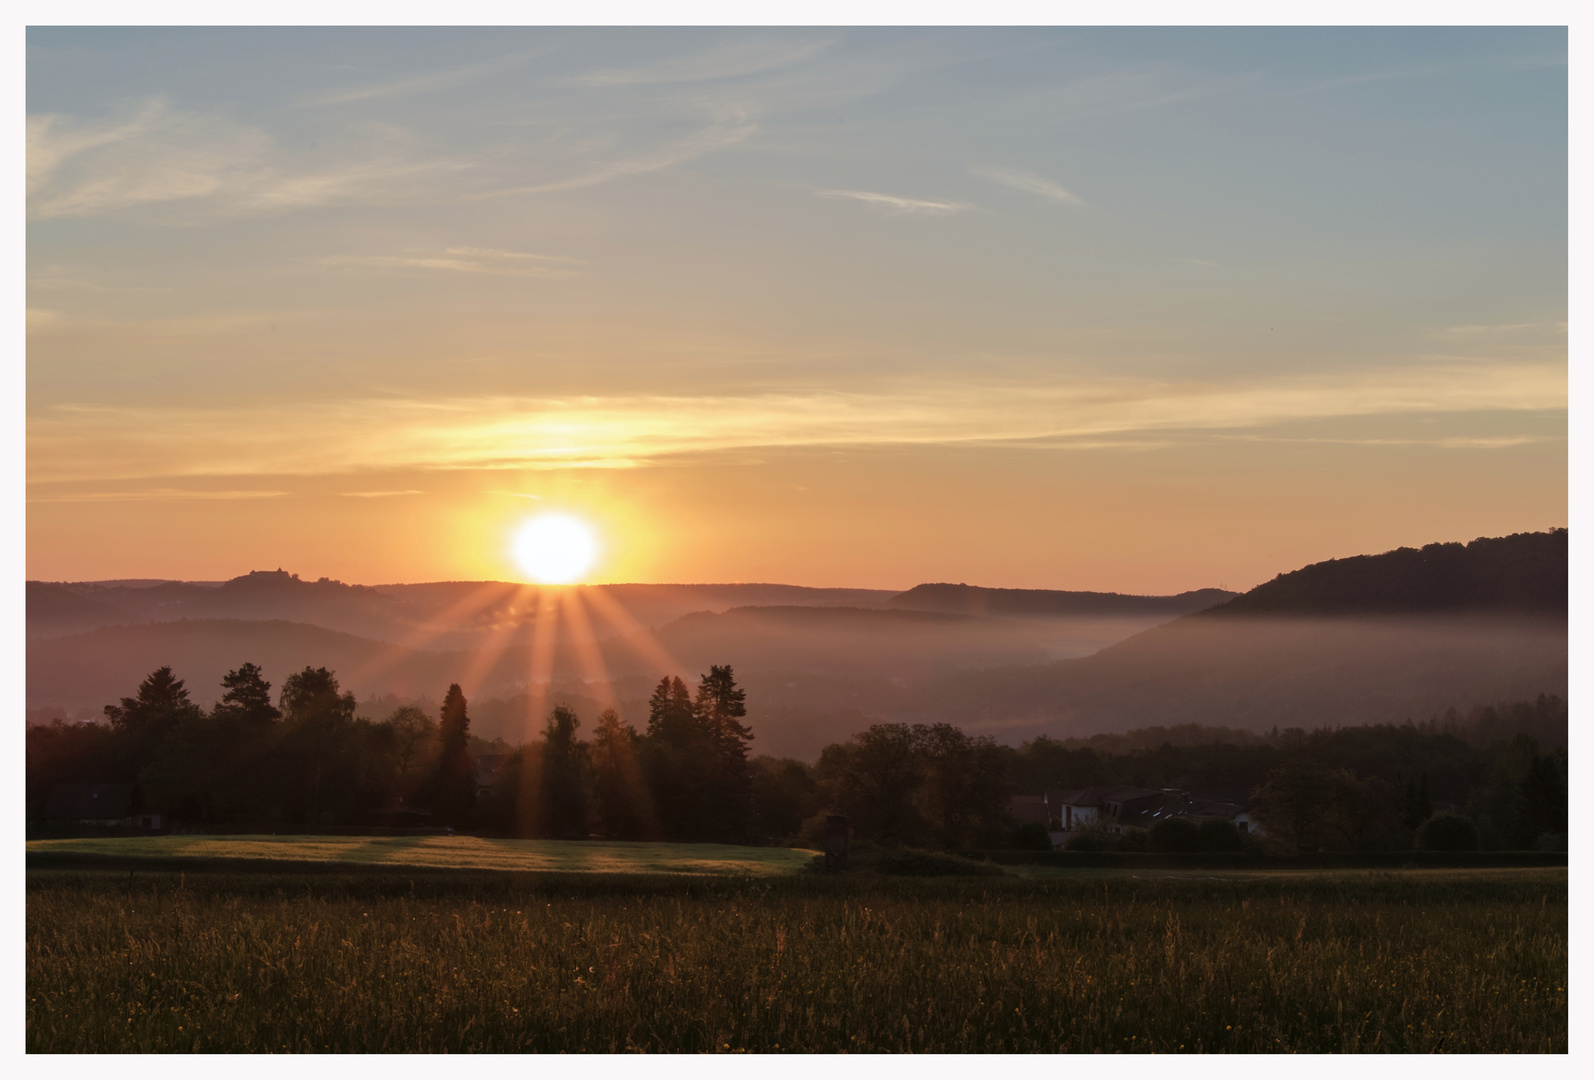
[
  {"x": 1371, "y": 639},
  {"x": 447, "y": 614},
  {"x": 260, "y": 595},
  {"x": 1050, "y": 603},
  {"x": 85, "y": 671},
  {"x": 54, "y": 608},
  {"x": 881, "y": 642},
  {"x": 1523, "y": 572},
  {"x": 1259, "y": 673}
]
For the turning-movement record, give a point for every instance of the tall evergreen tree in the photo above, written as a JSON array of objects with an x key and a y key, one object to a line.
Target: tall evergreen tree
[
  {"x": 162, "y": 703},
  {"x": 452, "y": 793},
  {"x": 247, "y": 697},
  {"x": 719, "y": 708},
  {"x": 563, "y": 792},
  {"x": 618, "y": 789},
  {"x": 140, "y": 724},
  {"x": 678, "y": 761},
  {"x": 671, "y": 717}
]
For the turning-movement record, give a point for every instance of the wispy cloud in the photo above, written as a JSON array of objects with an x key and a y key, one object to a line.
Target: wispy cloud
[
  {"x": 167, "y": 155},
  {"x": 53, "y": 140},
  {"x": 87, "y": 442},
  {"x": 166, "y": 494},
  {"x": 463, "y": 260},
  {"x": 899, "y": 204},
  {"x": 730, "y": 126},
  {"x": 1129, "y": 91},
  {"x": 1032, "y": 182},
  {"x": 520, "y": 256},
  {"x": 424, "y": 83},
  {"x": 1446, "y": 442},
  {"x": 1427, "y": 70},
  {"x": 1494, "y": 328},
  {"x": 380, "y": 494},
  {"x": 738, "y": 59}
]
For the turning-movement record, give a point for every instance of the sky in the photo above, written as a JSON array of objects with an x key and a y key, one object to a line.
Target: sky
[{"x": 1134, "y": 310}]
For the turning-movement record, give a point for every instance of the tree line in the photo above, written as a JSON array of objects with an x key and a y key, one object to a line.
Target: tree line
[{"x": 306, "y": 760}]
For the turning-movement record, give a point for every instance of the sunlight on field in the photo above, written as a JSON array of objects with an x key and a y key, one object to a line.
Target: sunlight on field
[{"x": 463, "y": 852}]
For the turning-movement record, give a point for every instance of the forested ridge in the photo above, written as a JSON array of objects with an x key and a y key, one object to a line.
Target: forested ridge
[
  {"x": 1523, "y": 572},
  {"x": 306, "y": 760}
]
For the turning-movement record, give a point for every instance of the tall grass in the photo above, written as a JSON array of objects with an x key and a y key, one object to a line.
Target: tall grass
[{"x": 1459, "y": 961}]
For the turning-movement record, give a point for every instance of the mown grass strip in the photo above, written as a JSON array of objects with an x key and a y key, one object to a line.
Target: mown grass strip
[{"x": 443, "y": 852}]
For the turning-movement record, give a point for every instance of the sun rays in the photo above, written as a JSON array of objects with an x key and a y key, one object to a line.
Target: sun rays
[{"x": 528, "y": 638}]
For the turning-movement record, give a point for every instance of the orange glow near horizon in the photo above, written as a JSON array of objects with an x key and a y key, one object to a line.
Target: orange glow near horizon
[{"x": 285, "y": 310}]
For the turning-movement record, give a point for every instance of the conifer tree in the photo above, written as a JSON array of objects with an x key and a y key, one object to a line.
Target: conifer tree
[
  {"x": 719, "y": 708},
  {"x": 564, "y": 801},
  {"x": 617, "y": 785},
  {"x": 452, "y": 791},
  {"x": 247, "y": 697}
]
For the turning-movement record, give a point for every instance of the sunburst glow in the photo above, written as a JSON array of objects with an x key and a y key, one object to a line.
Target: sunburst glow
[{"x": 555, "y": 549}]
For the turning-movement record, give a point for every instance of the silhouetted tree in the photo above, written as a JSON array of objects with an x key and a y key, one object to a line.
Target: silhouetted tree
[
  {"x": 679, "y": 760},
  {"x": 317, "y": 759},
  {"x": 782, "y": 795},
  {"x": 1544, "y": 799},
  {"x": 143, "y": 722},
  {"x": 964, "y": 793},
  {"x": 452, "y": 790},
  {"x": 564, "y": 776},
  {"x": 247, "y": 697},
  {"x": 619, "y": 791},
  {"x": 873, "y": 778},
  {"x": 719, "y": 709},
  {"x": 671, "y": 717},
  {"x": 720, "y": 706},
  {"x": 414, "y": 736},
  {"x": 1309, "y": 806},
  {"x": 312, "y": 697}
]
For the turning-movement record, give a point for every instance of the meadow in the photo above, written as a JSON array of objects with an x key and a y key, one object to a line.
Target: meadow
[
  {"x": 446, "y": 852},
  {"x": 1391, "y": 961}
]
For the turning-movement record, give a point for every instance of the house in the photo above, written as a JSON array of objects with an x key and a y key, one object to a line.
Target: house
[
  {"x": 396, "y": 814},
  {"x": 1174, "y": 803},
  {"x": 105, "y": 805},
  {"x": 1121, "y": 809},
  {"x": 1079, "y": 808},
  {"x": 487, "y": 767}
]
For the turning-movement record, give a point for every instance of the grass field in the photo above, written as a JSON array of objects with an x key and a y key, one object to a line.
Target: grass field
[
  {"x": 1461, "y": 961},
  {"x": 451, "y": 852}
]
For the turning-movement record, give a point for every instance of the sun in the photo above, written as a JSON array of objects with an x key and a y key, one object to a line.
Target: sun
[{"x": 555, "y": 549}]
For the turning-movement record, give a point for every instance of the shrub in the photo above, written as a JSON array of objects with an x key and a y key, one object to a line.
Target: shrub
[
  {"x": 1447, "y": 832},
  {"x": 1220, "y": 835},
  {"x": 1093, "y": 839},
  {"x": 1031, "y": 836},
  {"x": 1175, "y": 834},
  {"x": 1133, "y": 841}
]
